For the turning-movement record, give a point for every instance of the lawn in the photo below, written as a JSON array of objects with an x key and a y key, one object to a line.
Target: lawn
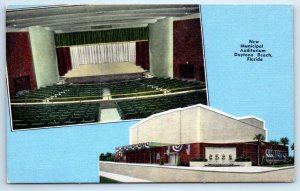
[{"x": 107, "y": 180}]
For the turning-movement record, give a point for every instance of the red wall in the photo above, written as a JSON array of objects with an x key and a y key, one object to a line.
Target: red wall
[
  {"x": 188, "y": 47},
  {"x": 63, "y": 60},
  {"x": 19, "y": 59},
  {"x": 194, "y": 153},
  {"x": 142, "y": 54},
  {"x": 197, "y": 150}
]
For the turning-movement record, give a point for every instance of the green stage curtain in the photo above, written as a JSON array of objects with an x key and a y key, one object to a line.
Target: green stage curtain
[{"x": 94, "y": 37}]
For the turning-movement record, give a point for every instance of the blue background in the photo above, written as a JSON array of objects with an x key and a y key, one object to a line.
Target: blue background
[
  {"x": 67, "y": 154},
  {"x": 263, "y": 89}
]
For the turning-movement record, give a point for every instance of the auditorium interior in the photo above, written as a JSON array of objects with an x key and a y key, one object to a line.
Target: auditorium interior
[{"x": 86, "y": 64}]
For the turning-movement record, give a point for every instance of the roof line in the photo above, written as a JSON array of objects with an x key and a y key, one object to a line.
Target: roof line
[{"x": 193, "y": 106}]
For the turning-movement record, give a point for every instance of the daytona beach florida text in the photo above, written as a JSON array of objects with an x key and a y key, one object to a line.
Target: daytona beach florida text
[{"x": 253, "y": 51}]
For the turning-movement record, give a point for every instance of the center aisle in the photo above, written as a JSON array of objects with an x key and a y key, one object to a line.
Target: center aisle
[{"x": 110, "y": 115}]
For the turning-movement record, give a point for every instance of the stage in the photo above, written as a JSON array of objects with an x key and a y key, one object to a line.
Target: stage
[{"x": 104, "y": 72}]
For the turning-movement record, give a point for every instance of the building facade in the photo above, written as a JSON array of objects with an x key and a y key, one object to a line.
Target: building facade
[{"x": 199, "y": 133}]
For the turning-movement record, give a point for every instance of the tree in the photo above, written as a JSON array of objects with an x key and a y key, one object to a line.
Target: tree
[
  {"x": 292, "y": 148},
  {"x": 284, "y": 140},
  {"x": 259, "y": 139},
  {"x": 102, "y": 156},
  {"x": 273, "y": 144}
]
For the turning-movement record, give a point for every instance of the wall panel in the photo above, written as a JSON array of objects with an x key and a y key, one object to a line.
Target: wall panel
[
  {"x": 19, "y": 60},
  {"x": 44, "y": 56},
  {"x": 188, "y": 49},
  {"x": 161, "y": 48}
]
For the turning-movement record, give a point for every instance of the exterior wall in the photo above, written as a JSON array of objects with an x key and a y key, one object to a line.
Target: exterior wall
[
  {"x": 193, "y": 125},
  {"x": 246, "y": 149},
  {"x": 185, "y": 158},
  {"x": 156, "y": 131},
  {"x": 19, "y": 59},
  {"x": 202, "y": 150},
  {"x": 188, "y": 47},
  {"x": 242, "y": 149},
  {"x": 44, "y": 56},
  {"x": 177, "y": 130},
  {"x": 161, "y": 48},
  {"x": 216, "y": 128},
  {"x": 253, "y": 121},
  {"x": 144, "y": 156},
  {"x": 269, "y": 146},
  {"x": 217, "y": 154},
  {"x": 190, "y": 123},
  {"x": 150, "y": 155}
]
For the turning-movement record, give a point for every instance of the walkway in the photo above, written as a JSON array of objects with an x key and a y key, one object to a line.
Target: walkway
[
  {"x": 121, "y": 178},
  {"x": 161, "y": 173},
  {"x": 110, "y": 115}
]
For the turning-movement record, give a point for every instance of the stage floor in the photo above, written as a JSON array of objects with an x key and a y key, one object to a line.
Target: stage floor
[{"x": 104, "y": 69}]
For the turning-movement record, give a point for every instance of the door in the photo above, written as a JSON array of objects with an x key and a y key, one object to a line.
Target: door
[
  {"x": 172, "y": 159},
  {"x": 186, "y": 71},
  {"x": 22, "y": 83}
]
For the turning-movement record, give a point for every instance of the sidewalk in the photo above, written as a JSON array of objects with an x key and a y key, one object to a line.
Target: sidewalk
[{"x": 121, "y": 178}]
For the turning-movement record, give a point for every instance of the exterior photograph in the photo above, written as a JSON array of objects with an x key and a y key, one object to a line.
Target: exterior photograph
[{"x": 200, "y": 139}]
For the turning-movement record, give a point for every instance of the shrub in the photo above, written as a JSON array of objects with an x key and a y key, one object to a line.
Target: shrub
[
  {"x": 243, "y": 159},
  {"x": 178, "y": 161},
  {"x": 290, "y": 160},
  {"x": 161, "y": 161},
  {"x": 107, "y": 157}
]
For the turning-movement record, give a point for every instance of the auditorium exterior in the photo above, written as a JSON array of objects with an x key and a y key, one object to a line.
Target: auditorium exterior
[{"x": 198, "y": 133}]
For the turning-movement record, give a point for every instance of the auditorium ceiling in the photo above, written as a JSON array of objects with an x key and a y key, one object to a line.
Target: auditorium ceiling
[{"x": 75, "y": 18}]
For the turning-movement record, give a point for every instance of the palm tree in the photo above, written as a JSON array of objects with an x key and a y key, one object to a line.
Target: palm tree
[
  {"x": 284, "y": 140},
  {"x": 259, "y": 138},
  {"x": 292, "y": 148},
  {"x": 273, "y": 144}
]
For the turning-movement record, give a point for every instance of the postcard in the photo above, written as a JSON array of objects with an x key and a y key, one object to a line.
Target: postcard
[{"x": 149, "y": 93}]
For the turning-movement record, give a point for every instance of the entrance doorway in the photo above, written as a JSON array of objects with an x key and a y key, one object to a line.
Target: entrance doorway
[
  {"x": 22, "y": 83},
  {"x": 186, "y": 71},
  {"x": 172, "y": 159}
]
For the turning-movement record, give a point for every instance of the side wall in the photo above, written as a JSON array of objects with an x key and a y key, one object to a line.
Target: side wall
[
  {"x": 155, "y": 131},
  {"x": 161, "y": 48},
  {"x": 194, "y": 125},
  {"x": 178, "y": 127},
  {"x": 44, "y": 56},
  {"x": 19, "y": 60},
  {"x": 188, "y": 49},
  {"x": 217, "y": 128},
  {"x": 253, "y": 121}
]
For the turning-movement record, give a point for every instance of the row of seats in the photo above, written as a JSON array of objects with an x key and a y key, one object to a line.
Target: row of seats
[
  {"x": 60, "y": 92},
  {"x": 72, "y": 92},
  {"x": 173, "y": 85},
  {"x": 35, "y": 116},
  {"x": 141, "y": 108},
  {"x": 79, "y": 92},
  {"x": 46, "y": 115},
  {"x": 130, "y": 89}
]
